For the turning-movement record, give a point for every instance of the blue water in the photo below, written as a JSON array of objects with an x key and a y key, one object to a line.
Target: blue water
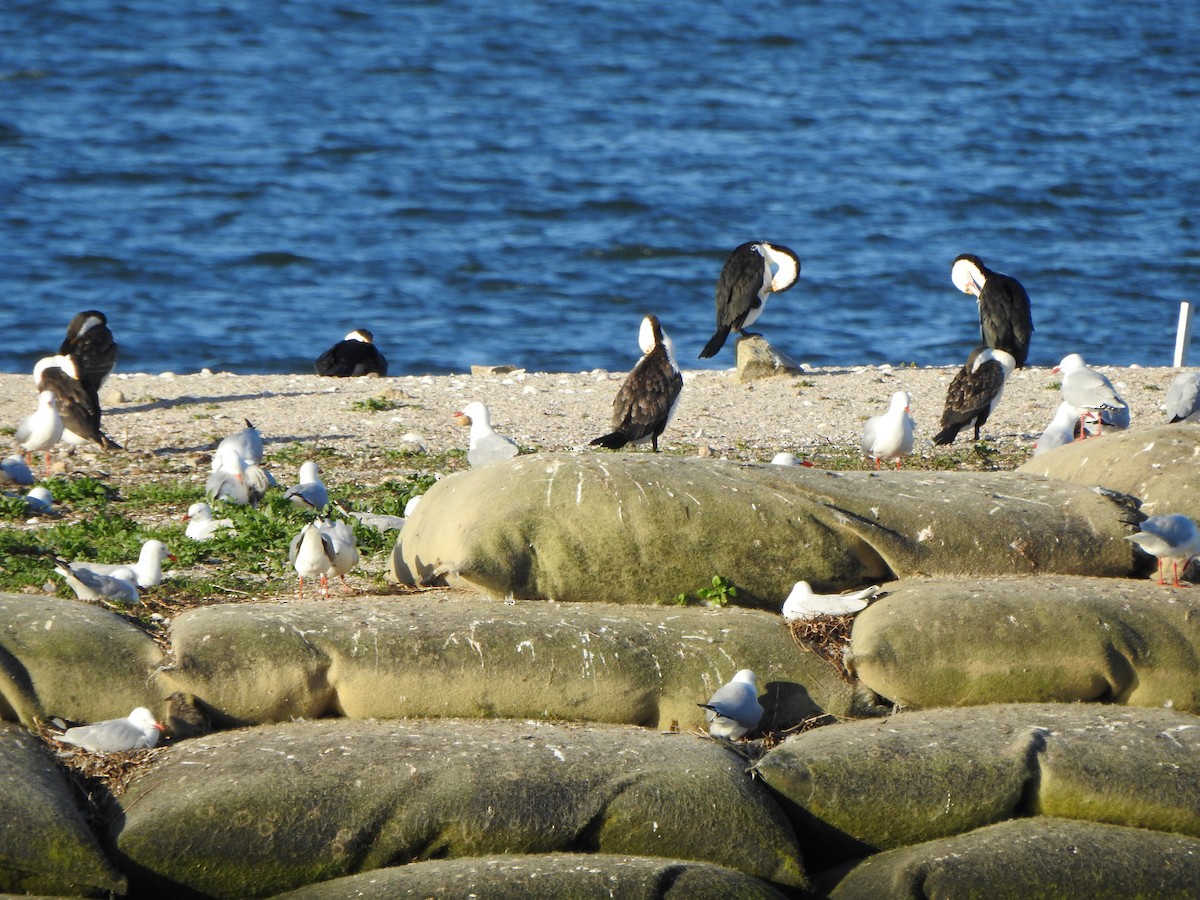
[{"x": 237, "y": 184}]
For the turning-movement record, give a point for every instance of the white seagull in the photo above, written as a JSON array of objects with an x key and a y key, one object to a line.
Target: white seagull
[
  {"x": 14, "y": 470},
  {"x": 247, "y": 444},
  {"x": 39, "y": 499},
  {"x": 42, "y": 429},
  {"x": 311, "y": 554},
  {"x": 890, "y": 435},
  {"x": 1183, "y": 398},
  {"x": 119, "y": 586},
  {"x": 147, "y": 570},
  {"x": 201, "y": 524},
  {"x": 1060, "y": 431},
  {"x": 138, "y": 731},
  {"x": 344, "y": 546},
  {"x": 310, "y": 492},
  {"x": 1169, "y": 537},
  {"x": 1088, "y": 391},
  {"x": 486, "y": 446},
  {"x": 236, "y": 481},
  {"x": 734, "y": 708},
  {"x": 802, "y": 603}
]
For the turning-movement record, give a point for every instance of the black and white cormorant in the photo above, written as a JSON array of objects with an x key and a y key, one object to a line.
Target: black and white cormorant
[
  {"x": 78, "y": 403},
  {"x": 648, "y": 397},
  {"x": 1005, "y": 322},
  {"x": 974, "y": 392},
  {"x": 355, "y": 354},
  {"x": 90, "y": 343},
  {"x": 753, "y": 271}
]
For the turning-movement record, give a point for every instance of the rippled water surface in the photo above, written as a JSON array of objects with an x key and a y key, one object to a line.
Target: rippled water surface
[{"x": 237, "y": 184}]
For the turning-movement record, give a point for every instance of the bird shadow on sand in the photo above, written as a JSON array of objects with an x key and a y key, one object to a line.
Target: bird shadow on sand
[{"x": 188, "y": 400}]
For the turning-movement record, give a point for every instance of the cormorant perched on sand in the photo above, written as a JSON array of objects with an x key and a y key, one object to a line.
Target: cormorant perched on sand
[
  {"x": 355, "y": 354},
  {"x": 647, "y": 398}
]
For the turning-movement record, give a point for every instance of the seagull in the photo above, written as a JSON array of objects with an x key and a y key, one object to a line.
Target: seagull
[
  {"x": 486, "y": 445},
  {"x": 734, "y": 708},
  {"x": 784, "y": 458},
  {"x": 344, "y": 546},
  {"x": 1169, "y": 537},
  {"x": 802, "y": 603},
  {"x": 378, "y": 521},
  {"x": 138, "y": 731},
  {"x": 648, "y": 397},
  {"x": 974, "y": 392},
  {"x": 1060, "y": 431},
  {"x": 745, "y": 282},
  {"x": 1183, "y": 398},
  {"x": 236, "y": 481},
  {"x": 42, "y": 428},
  {"x": 119, "y": 586},
  {"x": 311, "y": 554},
  {"x": 1005, "y": 322},
  {"x": 78, "y": 403},
  {"x": 14, "y": 470},
  {"x": 247, "y": 444},
  {"x": 355, "y": 354},
  {"x": 39, "y": 499},
  {"x": 147, "y": 570},
  {"x": 201, "y": 524},
  {"x": 1088, "y": 391},
  {"x": 91, "y": 345},
  {"x": 311, "y": 490},
  {"x": 890, "y": 435}
]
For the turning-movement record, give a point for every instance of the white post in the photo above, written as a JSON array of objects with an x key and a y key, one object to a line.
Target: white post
[{"x": 1183, "y": 335}]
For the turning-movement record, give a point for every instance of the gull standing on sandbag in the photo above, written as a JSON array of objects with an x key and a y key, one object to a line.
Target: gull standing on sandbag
[
  {"x": 78, "y": 402},
  {"x": 90, "y": 342},
  {"x": 119, "y": 586},
  {"x": 201, "y": 524},
  {"x": 1171, "y": 537},
  {"x": 1005, "y": 321},
  {"x": 1089, "y": 392},
  {"x": 311, "y": 555},
  {"x": 138, "y": 731},
  {"x": 352, "y": 356},
  {"x": 147, "y": 570},
  {"x": 802, "y": 603},
  {"x": 1183, "y": 398},
  {"x": 311, "y": 490},
  {"x": 890, "y": 435},
  {"x": 974, "y": 392},
  {"x": 734, "y": 708},
  {"x": 753, "y": 272},
  {"x": 42, "y": 429},
  {"x": 1060, "y": 431},
  {"x": 648, "y": 396},
  {"x": 486, "y": 446}
]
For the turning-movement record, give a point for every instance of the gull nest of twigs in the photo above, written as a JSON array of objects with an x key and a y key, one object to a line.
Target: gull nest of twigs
[
  {"x": 111, "y": 771},
  {"x": 826, "y": 636}
]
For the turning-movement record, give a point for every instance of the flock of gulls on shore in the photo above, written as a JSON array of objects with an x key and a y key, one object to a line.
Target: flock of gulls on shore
[{"x": 68, "y": 410}]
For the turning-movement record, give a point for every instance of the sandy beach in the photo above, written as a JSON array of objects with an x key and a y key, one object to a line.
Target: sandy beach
[{"x": 176, "y": 419}]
